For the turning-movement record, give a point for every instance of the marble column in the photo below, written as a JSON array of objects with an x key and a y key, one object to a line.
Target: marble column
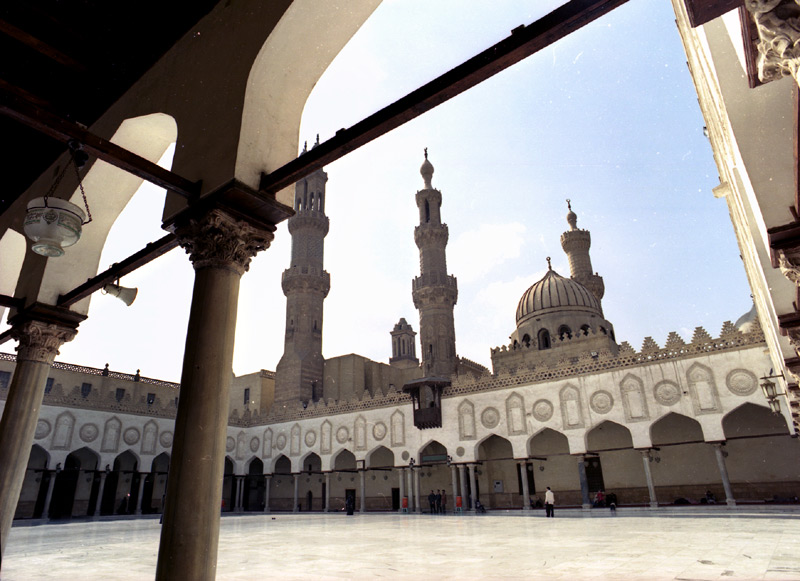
[
  {"x": 463, "y": 480},
  {"x": 723, "y": 472},
  {"x": 416, "y": 490},
  {"x": 220, "y": 248},
  {"x": 402, "y": 479},
  {"x": 48, "y": 498},
  {"x": 526, "y": 495},
  {"x": 327, "y": 492},
  {"x": 240, "y": 495},
  {"x": 267, "y": 480},
  {"x": 410, "y": 489},
  {"x": 473, "y": 488},
  {"x": 363, "y": 490},
  {"x": 454, "y": 481},
  {"x": 585, "y": 500},
  {"x": 98, "y": 505},
  {"x": 648, "y": 475},
  {"x": 38, "y": 346},
  {"x": 142, "y": 476},
  {"x": 296, "y": 491}
]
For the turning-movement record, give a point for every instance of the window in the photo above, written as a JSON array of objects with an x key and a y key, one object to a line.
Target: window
[
  {"x": 526, "y": 340},
  {"x": 564, "y": 332},
  {"x": 119, "y": 395},
  {"x": 427, "y": 211},
  {"x": 151, "y": 398},
  {"x": 5, "y": 379},
  {"x": 49, "y": 385},
  {"x": 585, "y": 329},
  {"x": 544, "y": 339},
  {"x": 86, "y": 389},
  {"x": 246, "y": 396}
]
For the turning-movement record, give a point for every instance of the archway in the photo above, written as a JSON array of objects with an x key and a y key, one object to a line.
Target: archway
[
  {"x": 311, "y": 487},
  {"x": 228, "y": 487},
  {"x": 497, "y": 474},
  {"x": 552, "y": 465},
  {"x": 75, "y": 485},
  {"x": 384, "y": 494},
  {"x": 610, "y": 445},
  {"x": 254, "y": 486},
  {"x": 121, "y": 491},
  {"x": 34, "y": 487},
  {"x": 155, "y": 485}
]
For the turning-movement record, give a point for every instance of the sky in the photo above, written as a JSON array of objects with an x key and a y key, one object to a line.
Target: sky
[{"x": 607, "y": 118}]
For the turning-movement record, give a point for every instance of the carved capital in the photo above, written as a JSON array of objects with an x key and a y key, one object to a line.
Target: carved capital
[
  {"x": 218, "y": 240},
  {"x": 778, "y": 24},
  {"x": 789, "y": 265},
  {"x": 39, "y": 341}
]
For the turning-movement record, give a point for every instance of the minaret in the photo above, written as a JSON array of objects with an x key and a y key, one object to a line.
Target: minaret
[
  {"x": 576, "y": 243},
  {"x": 305, "y": 284},
  {"x": 404, "y": 346},
  {"x": 435, "y": 292}
]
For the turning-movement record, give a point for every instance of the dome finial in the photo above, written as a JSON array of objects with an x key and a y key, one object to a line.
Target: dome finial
[
  {"x": 572, "y": 217},
  {"x": 549, "y": 266},
  {"x": 427, "y": 171},
  {"x": 426, "y": 153}
]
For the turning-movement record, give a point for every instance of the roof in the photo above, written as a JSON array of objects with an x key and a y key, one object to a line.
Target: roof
[{"x": 554, "y": 293}]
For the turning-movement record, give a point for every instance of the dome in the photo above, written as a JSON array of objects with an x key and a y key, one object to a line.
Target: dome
[
  {"x": 427, "y": 171},
  {"x": 748, "y": 322},
  {"x": 555, "y": 293}
]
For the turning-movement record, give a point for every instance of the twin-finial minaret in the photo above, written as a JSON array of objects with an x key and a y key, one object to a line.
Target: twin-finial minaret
[{"x": 576, "y": 244}]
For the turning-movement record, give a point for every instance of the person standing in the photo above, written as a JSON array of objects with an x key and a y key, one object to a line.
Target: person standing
[
  {"x": 438, "y": 501},
  {"x": 549, "y": 501},
  {"x": 432, "y": 502},
  {"x": 444, "y": 501}
]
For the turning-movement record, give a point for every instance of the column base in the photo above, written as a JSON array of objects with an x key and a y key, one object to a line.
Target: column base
[
  {"x": 586, "y": 507},
  {"x": 527, "y": 507},
  {"x": 730, "y": 501},
  {"x": 653, "y": 505}
]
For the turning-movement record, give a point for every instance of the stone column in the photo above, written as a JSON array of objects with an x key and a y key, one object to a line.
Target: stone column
[
  {"x": 454, "y": 480},
  {"x": 526, "y": 495},
  {"x": 363, "y": 490},
  {"x": 38, "y": 346},
  {"x": 416, "y": 490},
  {"x": 327, "y": 492},
  {"x": 267, "y": 480},
  {"x": 50, "y": 486},
  {"x": 402, "y": 487},
  {"x": 586, "y": 501},
  {"x": 473, "y": 488},
  {"x": 410, "y": 489},
  {"x": 647, "y": 474},
  {"x": 296, "y": 491},
  {"x": 98, "y": 505},
  {"x": 463, "y": 480},
  {"x": 142, "y": 476},
  {"x": 723, "y": 472},
  {"x": 220, "y": 248}
]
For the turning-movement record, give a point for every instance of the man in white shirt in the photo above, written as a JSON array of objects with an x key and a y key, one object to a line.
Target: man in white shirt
[{"x": 549, "y": 501}]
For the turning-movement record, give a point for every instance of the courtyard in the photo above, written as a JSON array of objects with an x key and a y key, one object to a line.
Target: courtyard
[{"x": 691, "y": 543}]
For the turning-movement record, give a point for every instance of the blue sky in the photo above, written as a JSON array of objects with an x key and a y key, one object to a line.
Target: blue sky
[{"x": 607, "y": 117}]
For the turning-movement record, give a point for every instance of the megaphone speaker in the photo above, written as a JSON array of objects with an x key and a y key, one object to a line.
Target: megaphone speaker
[{"x": 126, "y": 295}]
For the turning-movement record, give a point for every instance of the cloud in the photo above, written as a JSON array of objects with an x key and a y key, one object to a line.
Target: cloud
[{"x": 475, "y": 253}]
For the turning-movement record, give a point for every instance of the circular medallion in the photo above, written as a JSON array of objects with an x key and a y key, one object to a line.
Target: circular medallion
[
  {"x": 405, "y": 456},
  {"x": 230, "y": 444},
  {"x": 490, "y": 418},
  {"x": 88, "y": 432},
  {"x": 42, "y": 429},
  {"x": 542, "y": 410},
  {"x": 741, "y": 382},
  {"x": 280, "y": 442},
  {"x": 459, "y": 451},
  {"x": 342, "y": 434},
  {"x": 311, "y": 438},
  {"x": 601, "y": 401},
  {"x": 131, "y": 436},
  {"x": 379, "y": 431},
  {"x": 254, "y": 443},
  {"x": 667, "y": 392},
  {"x": 166, "y": 439}
]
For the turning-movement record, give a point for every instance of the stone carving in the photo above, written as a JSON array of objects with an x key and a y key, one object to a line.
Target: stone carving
[
  {"x": 89, "y": 432},
  {"x": 601, "y": 402},
  {"x": 62, "y": 435},
  {"x": 149, "y": 438},
  {"x": 634, "y": 401},
  {"x": 398, "y": 429},
  {"x": 294, "y": 448},
  {"x": 42, "y": 429},
  {"x": 266, "y": 450},
  {"x": 230, "y": 444},
  {"x": 254, "y": 444},
  {"x": 379, "y": 431},
  {"x": 40, "y": 341},
  {"x": 490, "y": 417},
  {"x": 778, "y": 25},
  {"x": 326, "y": 437},
  {"x": 360, "y": 432},
  {"x": 542, "y": 410},
  {"x": 342, "y": 434},
  {"x": 166, "y": 439},
  {"x": 667, "y": 392},
  {"x": 466, "y": 420},
  {"x": 460, "y": 451},
  {"x": 703, "y": 389},
  {"x": 111, "y": 434},
  {"x": 218, "y": 240},
  {"x": 311, "y": 438},
  {"x": 741, "y": 382},
  {"x": 131, "y": 436},
  {"x": 515, "y": 415},
  {"x": 571, "y": 408},
  {"x": 280, "y": 442}
]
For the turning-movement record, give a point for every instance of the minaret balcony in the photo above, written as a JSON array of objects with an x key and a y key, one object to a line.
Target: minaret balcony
[
  {"x": 305, "y": 278},
  {"x": 430, "y": 279},
  {"x": 431, "y": 234},
  {"x": 308, "y": 219}
]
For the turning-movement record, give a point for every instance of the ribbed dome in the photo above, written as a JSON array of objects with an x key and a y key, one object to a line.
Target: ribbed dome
[{"x": 553, "y": 293}]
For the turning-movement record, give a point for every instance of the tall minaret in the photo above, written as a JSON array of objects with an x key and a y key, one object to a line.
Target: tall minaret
[
  {"x": 576, "y": 243},
  {"x": 435, "y": 292},
  {"x": 305, "y": 284}
]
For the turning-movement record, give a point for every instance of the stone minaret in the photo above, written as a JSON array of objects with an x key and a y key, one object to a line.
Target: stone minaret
[
  {"x": 404, "y": 346},
  {"x": 576, "y": 243},
  {"x": 435, "y": 292},
  {"x": 305, "y": 284}
]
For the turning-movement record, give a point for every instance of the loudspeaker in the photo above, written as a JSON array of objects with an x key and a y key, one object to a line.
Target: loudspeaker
[{"x": 126, "y": 295}]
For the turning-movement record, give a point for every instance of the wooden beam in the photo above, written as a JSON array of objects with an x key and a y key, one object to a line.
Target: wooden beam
[
  {"x": 45, "y": 122},
  {"x": 118, "y": 270},
  {"x": 703, "y": 11},
  {"x": 40, "y": 46},
  {"x": 523, "y": 42},
  {"x": 11, "y": 302}
]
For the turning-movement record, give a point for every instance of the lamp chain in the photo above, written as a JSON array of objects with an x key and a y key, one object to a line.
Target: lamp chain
[
  {"x": 83, "y": 193},
  {"x": 58, "y": 179}
]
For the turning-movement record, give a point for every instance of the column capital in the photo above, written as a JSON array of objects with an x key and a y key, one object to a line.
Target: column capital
[
  {"x": 42, "y": 329},
  {"x": 778, "y": 37}
]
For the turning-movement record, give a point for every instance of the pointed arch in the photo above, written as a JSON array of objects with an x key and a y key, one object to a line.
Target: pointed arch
[
  {"x": 294, "y": 441},
  {"x": 325, "y": 437},
  {"x": 380, "y": 457},
  {"x": 675, "y": 428},
  {"x": 634, "y": 401},
  {"x": 111, "y": 433},
  {"x": 62, "y": 434},
  {"x": 608, "y": 435},
  {"x": 494, "y": 447},
  {"x": 703, "y": 389},
  {"x": 282, "y": 465},
  {"x": 149, "y": 437},
  {"x": 466, "y": 421},
  {"x": 749, "y": 419},
  {"x": 311, "y": 463},
  {"x": 515, "y": 415},
  {"x": 548, "y": 441},
  {"x": 266, "y": 450},
  {"x": 398, "y": 428},
  {"x": 344, "y": 459},
  {"x": 360, "y": 433},
  {"x": 571, "y": 407}
]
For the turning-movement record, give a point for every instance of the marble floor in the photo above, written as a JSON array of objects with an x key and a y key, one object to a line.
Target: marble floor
[{"x": 686, "y": 544}]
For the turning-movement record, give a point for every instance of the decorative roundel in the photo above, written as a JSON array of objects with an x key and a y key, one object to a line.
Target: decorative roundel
[
  {"x": 311, "y": 438},
  {"x": 490, "y": 418},
  {"x": 342, "y": 434},
  {"x": 166, "y": 439},
  {"x": 230, "y": 444},
  {"x": 280, "y": 441},
  {"x": 741, "y": 382},
  {"x": 667, "y": 392},
  {"x": 405, "y": 456},
  {"x": 254, "y": 443},
  {"x": 89, "y": 432},
  {"x": 542, "y": 410},
  {"x": 131, "y": 436},
  {"x": 601, "y": 401},
  {"x": 459, "y": 451},
  {"x": 42, "y": 429},
  {"x": 379, "y": 431}
]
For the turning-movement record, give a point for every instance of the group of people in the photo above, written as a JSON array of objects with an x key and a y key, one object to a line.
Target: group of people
[{"x": 438, "y": 501}]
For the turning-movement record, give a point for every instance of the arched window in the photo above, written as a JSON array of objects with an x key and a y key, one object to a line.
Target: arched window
[
  {"x": 565, "y": 332},
  {"x": 427, "y": 211},
  {"x": 544, "y": 339},
  {"x": 603, "y": 331},
  {"x": 526, "y": 340},
  {"x": 585, "y": 329}
]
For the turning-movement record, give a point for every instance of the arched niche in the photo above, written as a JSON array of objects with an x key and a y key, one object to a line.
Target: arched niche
[{"x": 160, "y": 463}]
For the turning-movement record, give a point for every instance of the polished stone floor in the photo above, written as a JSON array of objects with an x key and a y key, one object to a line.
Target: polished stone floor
[{"x": 686, "y": 544}]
